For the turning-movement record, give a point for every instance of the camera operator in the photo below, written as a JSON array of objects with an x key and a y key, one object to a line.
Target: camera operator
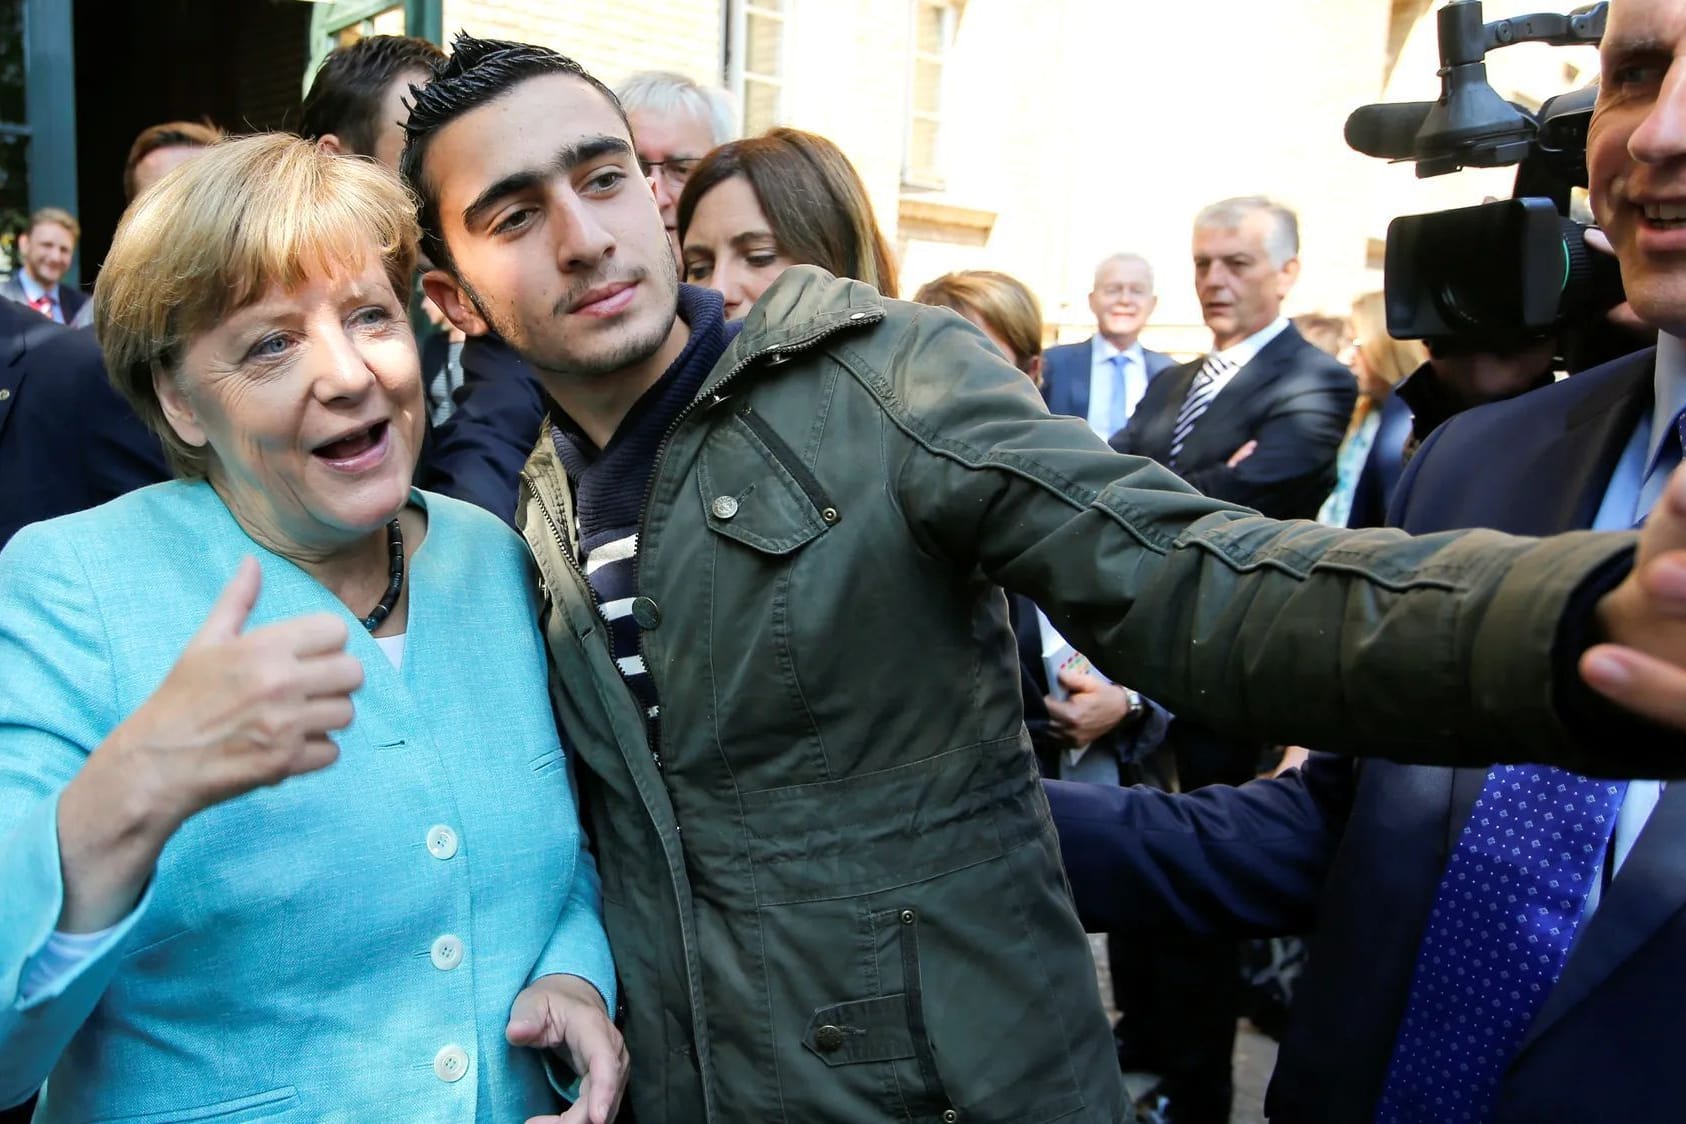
[{"x": 1498, "y": 946}]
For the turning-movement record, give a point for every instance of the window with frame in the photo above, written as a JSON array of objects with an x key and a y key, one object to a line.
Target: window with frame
[
  {"x": 757, "y": 62},
  {"x": 340, "y": 23},
  {"x": 933, "y": 32}
]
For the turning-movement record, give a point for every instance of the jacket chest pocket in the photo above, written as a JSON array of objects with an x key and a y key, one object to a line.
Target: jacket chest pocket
[{"x": 756, "y": 490}]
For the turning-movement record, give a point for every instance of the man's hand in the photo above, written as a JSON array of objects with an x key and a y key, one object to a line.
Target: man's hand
[
  {"x": 1643, "y": 664},
  {"x": 566, "y": 1014},
  {"x": 1092, "y": 708},
  {"x": 1242, "y": 453}
]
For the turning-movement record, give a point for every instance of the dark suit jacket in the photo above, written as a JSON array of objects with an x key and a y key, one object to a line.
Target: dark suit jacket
[
  {"x": 71, "y": 299},
  {"x": 68, "y": 440},
  {"x": 1360, "y": 848},
  {"x": 1066, "y": 370},
  {"x": 1293, "y": 399},
  {"x": 1383, "y": 467},
  {"x": 477, "y": 453}
]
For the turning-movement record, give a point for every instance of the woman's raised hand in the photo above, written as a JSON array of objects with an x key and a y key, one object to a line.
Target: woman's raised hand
[
  {"x": 243, "y": 709},
  {"x": 238, "y": 711}
]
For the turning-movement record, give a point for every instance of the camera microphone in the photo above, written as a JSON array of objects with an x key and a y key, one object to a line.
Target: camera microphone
[{"x": 1387, "y": 131}]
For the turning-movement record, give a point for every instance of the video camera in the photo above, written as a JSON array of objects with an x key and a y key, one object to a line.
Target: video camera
[{"x": 1497, "y": 276}]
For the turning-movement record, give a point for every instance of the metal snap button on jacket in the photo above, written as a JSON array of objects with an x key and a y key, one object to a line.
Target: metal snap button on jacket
[
  {"x": 829, "y": 1038},
  {"x": 724, "y": 507},
  {"x": 646, "y": 612}
]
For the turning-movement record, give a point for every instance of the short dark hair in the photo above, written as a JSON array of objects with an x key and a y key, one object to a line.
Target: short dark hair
[
  {"x": 478, "y": 71},
  {"x": 172, "y": 134},
  {"x": 345, "y": 96}
]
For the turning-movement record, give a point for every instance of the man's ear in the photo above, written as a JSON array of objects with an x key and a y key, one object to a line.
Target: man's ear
[
  {"x": 442, "y": 289},
  {"x": 1286, "y": 276},
  {"x": 23, "y": 243},
  {"x": 1034, "y": 369},
  {"x": 178, "y": 411},
  {"x": 331, "y": 144}
]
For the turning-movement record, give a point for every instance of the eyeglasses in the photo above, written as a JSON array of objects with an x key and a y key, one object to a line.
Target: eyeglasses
[{"x": 675, "y": 169}]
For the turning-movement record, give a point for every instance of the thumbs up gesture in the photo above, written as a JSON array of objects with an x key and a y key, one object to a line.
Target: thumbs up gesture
[
  {"x": 244, "y": 709},
  {"x": 239, "y": 710}
]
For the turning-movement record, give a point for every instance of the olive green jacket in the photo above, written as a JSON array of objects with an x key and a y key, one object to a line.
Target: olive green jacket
[{"x": 833, "y": 891}]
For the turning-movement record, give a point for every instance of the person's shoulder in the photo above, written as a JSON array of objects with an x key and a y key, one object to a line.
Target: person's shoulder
[
  {"x": 1065, "y": 351},
  {"x": 117, "y": 533},
  {"x": 1606, "y": 384},
  {"x": 469, "y": 529},
  {"x": 475, "y": 556},
  {"x": 72, "y": 358}
]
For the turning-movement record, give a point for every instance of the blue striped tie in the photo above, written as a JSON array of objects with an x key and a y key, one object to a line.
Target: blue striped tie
[{"x": 1200, "y": 395}]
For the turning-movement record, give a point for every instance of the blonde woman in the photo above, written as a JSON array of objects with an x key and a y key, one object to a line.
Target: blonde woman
[{"x": 285, "y": 827}]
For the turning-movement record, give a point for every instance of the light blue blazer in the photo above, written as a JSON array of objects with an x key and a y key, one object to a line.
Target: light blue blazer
[{"x": 292, "y": 958}]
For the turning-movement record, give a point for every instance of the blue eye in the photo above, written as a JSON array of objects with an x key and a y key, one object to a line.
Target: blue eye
[
  {"x": 270, "y": 347},
  {"x": 373, "y": 316}
]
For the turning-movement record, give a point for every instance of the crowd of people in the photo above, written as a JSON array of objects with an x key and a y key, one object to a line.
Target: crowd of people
[{"x": 692, "y": 684}]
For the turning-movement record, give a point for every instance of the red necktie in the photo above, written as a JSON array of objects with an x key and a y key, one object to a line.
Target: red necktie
[{"x": 44, "y": 305}]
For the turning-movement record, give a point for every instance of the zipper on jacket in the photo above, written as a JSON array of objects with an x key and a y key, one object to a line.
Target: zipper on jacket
[{"x": 566, "y": 551}]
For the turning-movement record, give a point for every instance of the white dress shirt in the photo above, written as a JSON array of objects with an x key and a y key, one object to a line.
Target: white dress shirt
[
  {"x": 34, "y": 292},
  {"x": 1240, "y": 354},
  {"x": 1634, "y": 488}
]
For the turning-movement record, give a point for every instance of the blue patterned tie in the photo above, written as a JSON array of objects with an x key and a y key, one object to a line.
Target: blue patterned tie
[
  {"x": 1120, "y": 415},
  {"x": 1497, "y": 937}
]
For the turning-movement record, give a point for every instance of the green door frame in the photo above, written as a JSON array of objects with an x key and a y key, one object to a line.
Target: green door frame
[
  {"x": 50, "y": 108},
  {"x": 424, "y": 19}
]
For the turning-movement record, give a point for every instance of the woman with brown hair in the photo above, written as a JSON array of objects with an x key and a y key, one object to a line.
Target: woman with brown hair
[{"x": 755, "y": 207}]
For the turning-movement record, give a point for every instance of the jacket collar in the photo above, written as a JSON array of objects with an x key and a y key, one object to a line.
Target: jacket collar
[{"x": 804, "y": 306}]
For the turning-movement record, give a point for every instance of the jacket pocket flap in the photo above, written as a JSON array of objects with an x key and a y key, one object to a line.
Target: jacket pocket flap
[
  {"x": 757, "y": 491},
  {"x": 866, "y": 1030}
]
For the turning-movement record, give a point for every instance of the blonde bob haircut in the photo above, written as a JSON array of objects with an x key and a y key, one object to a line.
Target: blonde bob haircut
[
  {"x": 1002, "y": 302},
  {"x": 1390, "y": 360},
  {"x": 216, "y": 234}
]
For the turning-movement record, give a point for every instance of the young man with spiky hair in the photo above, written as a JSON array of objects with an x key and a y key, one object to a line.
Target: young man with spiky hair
[{"x": 770, "y": 559}]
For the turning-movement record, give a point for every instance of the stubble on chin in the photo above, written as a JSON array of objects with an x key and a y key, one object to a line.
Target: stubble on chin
[{"x": 543, "y": 351}]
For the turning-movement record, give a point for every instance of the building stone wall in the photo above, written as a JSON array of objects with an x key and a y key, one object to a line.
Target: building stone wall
[{"x": 1076, "y": 128}]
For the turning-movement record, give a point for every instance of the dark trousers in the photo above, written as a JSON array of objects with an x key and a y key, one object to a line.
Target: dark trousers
[{"x": 1180, "y": 995}]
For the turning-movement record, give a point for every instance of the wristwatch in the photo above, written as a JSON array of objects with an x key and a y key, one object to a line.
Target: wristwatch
[{"x": 1138, "y": 708}]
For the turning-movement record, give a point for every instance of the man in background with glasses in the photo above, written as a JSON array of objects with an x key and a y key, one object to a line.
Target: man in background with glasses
[
  {"x": 675, "y": 122},
  {"x": 1102, "y": 378}
]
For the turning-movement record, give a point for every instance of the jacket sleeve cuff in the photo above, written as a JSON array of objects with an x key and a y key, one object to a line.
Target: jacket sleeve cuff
[
  {"x": 1587, "y": 733},
  {"x": 1591, "y": 718},
  {"x": 34, "y": 1030},
  {"x": 579, "y": 946}
]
